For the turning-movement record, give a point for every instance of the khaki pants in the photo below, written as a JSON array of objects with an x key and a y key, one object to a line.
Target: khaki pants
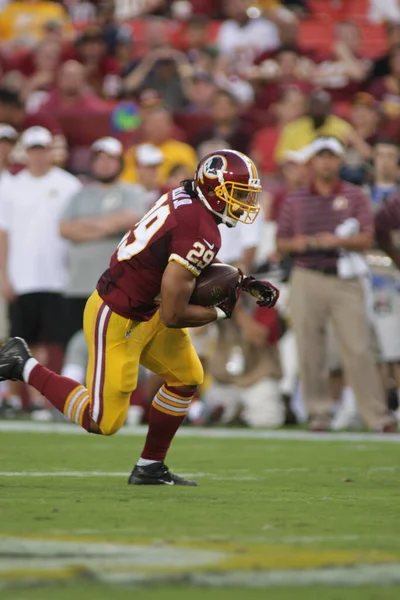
[{"x": 316, "y": 299}]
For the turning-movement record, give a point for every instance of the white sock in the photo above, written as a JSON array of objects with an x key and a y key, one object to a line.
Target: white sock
[
  {"x": 28, "y": 368},
  {"x": 143, "y": 462}
]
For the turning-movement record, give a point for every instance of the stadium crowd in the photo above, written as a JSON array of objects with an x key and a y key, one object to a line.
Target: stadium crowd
[{"x": 106, "y": 105}]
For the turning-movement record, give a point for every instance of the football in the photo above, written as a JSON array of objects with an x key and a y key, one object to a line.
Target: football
[{"x": 213, "y": 284}]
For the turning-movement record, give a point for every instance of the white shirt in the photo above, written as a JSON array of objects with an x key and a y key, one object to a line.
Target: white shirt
[
  {"x": 245, "y": 42},
  {"x": 235, "y": 240},
  {"x": 30, "y": 211},
  {"x": 384, "y": 10}
]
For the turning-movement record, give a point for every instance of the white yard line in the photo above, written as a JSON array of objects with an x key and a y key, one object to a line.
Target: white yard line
[
  {"x": 234, "y": 477},
  {"x": 213, "y": 433}
]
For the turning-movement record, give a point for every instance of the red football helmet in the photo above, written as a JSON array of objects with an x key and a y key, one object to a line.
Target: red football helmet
[{"x": 227, "y": 182}]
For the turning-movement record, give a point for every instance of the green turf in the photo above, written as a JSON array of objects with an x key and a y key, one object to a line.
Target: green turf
[
  {"x": 185, "y": 593},
  {"x": 279, "y": 500}
]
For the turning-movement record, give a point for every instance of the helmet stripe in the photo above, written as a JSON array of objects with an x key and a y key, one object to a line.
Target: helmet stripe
[{"x": 249, "y": 164}]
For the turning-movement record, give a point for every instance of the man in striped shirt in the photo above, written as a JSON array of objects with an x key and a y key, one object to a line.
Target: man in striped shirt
[
  {"x": 387, "y": 220},
  {"x": 310, "y": 229}
]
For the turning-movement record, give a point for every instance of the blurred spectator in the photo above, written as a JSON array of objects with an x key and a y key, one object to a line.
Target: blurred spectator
[
  {"x": 295, "y": 173},
  {"x": 200, "y": 90},
  {"x": 148, "y": 159},
  {"x": 8, "y": 136},
  {"x": 246, "y": 370},
  {"x": 12, "y": 112},
  {"x": 124, "y": 49},
  {"x": 227, "y": 123},
  {"x": 319, "y": 122},
  {"x": 274, "y": 74},
  {"x": 82, "y": 11},
  {"x": 93, "y": 221},
  {"x": 130, "y": 10},
  {"x": 290, "y": 106},
  {"x": 385, "y": 180},
  {"x": 342, "y": 72},
  {"x": 45, "y": 62},
  {"x": 177, "y": 174},
  {"x": 211, "y": 145},
  {"x": 381, "y": 11},
  {"x": 381, "y": 66},
  {"x": 102, "y": 72},
  {"x": 33, "y": 265},
  {"x": 196, "y": 42},
  {"x": 159, "y": 70},
  {"x": 72, "y": 91},
  {"x": 323, "y": 226},
  {"x": 387, "y": 89},
  {"x": 27, "y": 31},
  {"x": 241, "y": 38},
  {"x": 157, "y": 129},
  {"x": 366, "y": 119}
]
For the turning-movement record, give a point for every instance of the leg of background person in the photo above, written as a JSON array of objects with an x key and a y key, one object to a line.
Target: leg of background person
[
  {"x": 309, "y": 314},
  {"x": 170, "y": 355},
  {"x": 262, "y": 404},
  {"x": 352, "y": 331},
  {"x": 222, "y": 402},
  {"x": 290, "y": 373},
  {"x": 76, "y": 358}
]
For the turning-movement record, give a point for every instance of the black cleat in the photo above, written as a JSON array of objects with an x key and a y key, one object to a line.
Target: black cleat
[
  {"x": 156, "y": 474},
  {"x": 13, "y": 356}
]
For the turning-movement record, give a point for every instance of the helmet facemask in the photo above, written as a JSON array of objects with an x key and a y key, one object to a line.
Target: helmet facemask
[{"x": 241, "y": 200}]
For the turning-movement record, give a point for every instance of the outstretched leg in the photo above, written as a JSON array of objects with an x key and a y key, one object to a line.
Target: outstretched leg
[{"x": 114, "y": 346}]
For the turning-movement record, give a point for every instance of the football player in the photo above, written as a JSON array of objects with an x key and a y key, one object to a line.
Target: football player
[{"x": 140, "y": 309}]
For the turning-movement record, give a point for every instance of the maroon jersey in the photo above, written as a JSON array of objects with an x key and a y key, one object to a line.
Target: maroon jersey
[{"x": 177, "y": 227}]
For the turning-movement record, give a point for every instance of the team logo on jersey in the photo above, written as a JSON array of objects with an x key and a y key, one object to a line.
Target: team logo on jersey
[
  {"x": 340, "y": 203},
  {"x": 213, "y": 166}
]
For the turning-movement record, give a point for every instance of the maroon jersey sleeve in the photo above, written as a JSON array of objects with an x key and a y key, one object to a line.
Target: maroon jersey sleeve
[{"x": 195, "y": 238}]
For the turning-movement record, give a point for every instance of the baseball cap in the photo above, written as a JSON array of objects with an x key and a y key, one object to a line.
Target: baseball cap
[
  {"x": 109, "y": 145},
  {"x": 328, "y": 143},
  {"x": 300, "y": 157},
  {"x": 36, "y": 136},
  {"x": 148, "y": 155},
  {"x": 364, "y": 99},
  {"x": 7, "y": 132}
]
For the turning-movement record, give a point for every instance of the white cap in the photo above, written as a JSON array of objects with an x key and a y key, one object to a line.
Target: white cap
[
  {"x": 300, "y": 157},
  {"x": 109, "y": 145},
  {"x": 327, "y": 143},
  {"x": 36, "y": 136},
  {"x": 7, "y": 132},
  {"x": 148, "y": 155}
]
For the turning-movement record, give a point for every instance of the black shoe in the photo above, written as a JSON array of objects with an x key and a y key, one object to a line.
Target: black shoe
[
  {"x": 13, "y": 356},
  {"x": 156, "y": 474}
]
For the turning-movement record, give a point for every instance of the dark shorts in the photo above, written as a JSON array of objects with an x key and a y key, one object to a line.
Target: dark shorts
[
  {"x": 38, "y": 318},
  {"x": 74, "y": 308}
]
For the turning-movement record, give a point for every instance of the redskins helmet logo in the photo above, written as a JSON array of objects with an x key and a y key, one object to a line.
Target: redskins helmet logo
[{"x": 214, "y": 165}]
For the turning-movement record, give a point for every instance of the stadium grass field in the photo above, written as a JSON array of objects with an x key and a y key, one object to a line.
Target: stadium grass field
[{"x": 307, "y": 519}]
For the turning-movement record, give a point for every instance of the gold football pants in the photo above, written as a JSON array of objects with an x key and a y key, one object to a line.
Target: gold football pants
[{"x": 116, "y": 348}]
